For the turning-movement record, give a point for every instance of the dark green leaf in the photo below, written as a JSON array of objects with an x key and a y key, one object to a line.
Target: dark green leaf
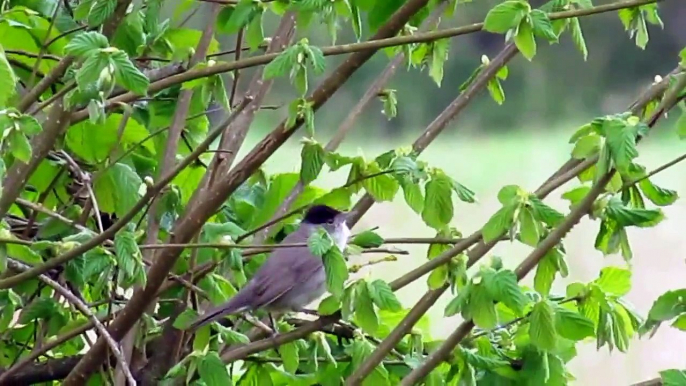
[
  {"x": 626, "y": 216},
  {"x": 578, "y": 36},
  {"x": 382, "y": 187},
  {"x": 545, "y": 213},
  {"x": 463, "y": 193},
  {"x": 19, "y": 145},
  {"x": 542, "y": 25},
  {"x": 503, "y": 287}
]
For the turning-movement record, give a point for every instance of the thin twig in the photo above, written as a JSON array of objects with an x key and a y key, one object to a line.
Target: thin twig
[{"x": 83, "y": 308}]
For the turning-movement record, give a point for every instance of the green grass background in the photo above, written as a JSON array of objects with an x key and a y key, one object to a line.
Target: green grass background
[{"x": 527, "y": 158}]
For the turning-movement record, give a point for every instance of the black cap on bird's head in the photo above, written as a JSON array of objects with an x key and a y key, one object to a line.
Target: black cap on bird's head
[{"x": 321, "y": 214}]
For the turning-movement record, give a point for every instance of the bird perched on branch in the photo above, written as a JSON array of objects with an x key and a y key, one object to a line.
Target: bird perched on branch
[{"x": 290, "y": 278}]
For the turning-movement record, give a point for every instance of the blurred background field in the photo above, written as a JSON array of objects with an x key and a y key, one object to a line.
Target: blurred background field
[{"x": 521, "y": 142}]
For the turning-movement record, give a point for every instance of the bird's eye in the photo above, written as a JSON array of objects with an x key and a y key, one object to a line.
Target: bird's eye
[{"x": 330, "y": 221}]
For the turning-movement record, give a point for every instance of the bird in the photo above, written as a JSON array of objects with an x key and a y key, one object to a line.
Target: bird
[{"x": 290, "y": 278}]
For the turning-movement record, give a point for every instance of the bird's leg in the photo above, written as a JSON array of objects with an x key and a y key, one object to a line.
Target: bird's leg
[{"x": 274, "y": 331}]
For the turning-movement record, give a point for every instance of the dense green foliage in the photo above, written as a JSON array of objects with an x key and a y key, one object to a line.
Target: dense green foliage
[{"x": 103, "y": 157}]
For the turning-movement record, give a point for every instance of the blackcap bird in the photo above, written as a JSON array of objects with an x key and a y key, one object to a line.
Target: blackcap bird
[{"x": 290, "y": 278}]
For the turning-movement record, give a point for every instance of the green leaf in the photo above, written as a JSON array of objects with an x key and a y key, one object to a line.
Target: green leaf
[
  {"x": 614, "y": 280},
  {"x": 439, "y": 54},
  {"x": 254, "y": 34},
  {"x": 668, "y": 305},
  {"x": 413, "y": 196},
  {"x": 542, "y": 326},
  {"x": 657, "y": 195},
  {"x": 495, "y": 89},
  {"x": 463, "y": 193},
  {"x": 505, "y": 16},
  {"x": 546, "y": 270},
  {"x": 673, "y": 377},
  {"x": 503, "y": 287},
  {"x": 336, "y": 271},
  {"x": 83, "y": 44},
  {"x": 312, "y": 156},
  {"x": 213, "y": 371},
  {"x": 545, "y": 213},
  {"x": 572, "y": 325},
  {"x": 242, "y": 14},
  {"x": 525, "y": 40},
  {"x": 542, "y": 25},
  {"x": 101, "y": 10},
  {"x": 528, "y": 227},
  {"x": 185, "y": 319},
  {"x": 626, "y": 216},
  {"x": 365, "y": 314},
  {"x": 19, "y": 145},
  {"x": 127, "y": 75},
  {"x": 499, "y": 223},
  {"x": 621, "y": 140},
  {"x": 459, "y": 302},
  {"x": 39, "y": 308},
  {"x": 578, "y": 36},
  {"x": 382, "y": 187},
  {"x": 586, "y": 146},
  {"x": 329, "y": 305},
  {"x": 8, "y": 80},
  {"x": 118, "y": 189},
  {"x": 290, "y": 357},
  {"x": 94, "y": 70},
  {"x": 482, "y": 308},
  {"x": 282, "y": 64},
  {"x": 368, "y": 239},
  {"x": 438, "y": 204},
  {"x": 383, "y": 296},
  {"x": 320, "y": 242}
]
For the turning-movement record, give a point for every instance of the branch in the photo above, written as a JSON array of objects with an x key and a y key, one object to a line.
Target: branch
[
  {"x": 371, "y": 46},
  {"x": 114, "y": 228},
  {"x": 543, "y": 247},
  {"x": 85, "y": 311}
]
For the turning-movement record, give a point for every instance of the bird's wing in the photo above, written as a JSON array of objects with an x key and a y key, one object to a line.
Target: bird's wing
[{"x": 283, "y": 270}]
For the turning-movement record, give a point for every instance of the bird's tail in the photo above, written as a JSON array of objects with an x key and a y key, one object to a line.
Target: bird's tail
[{"x": 236, "y": 304}]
